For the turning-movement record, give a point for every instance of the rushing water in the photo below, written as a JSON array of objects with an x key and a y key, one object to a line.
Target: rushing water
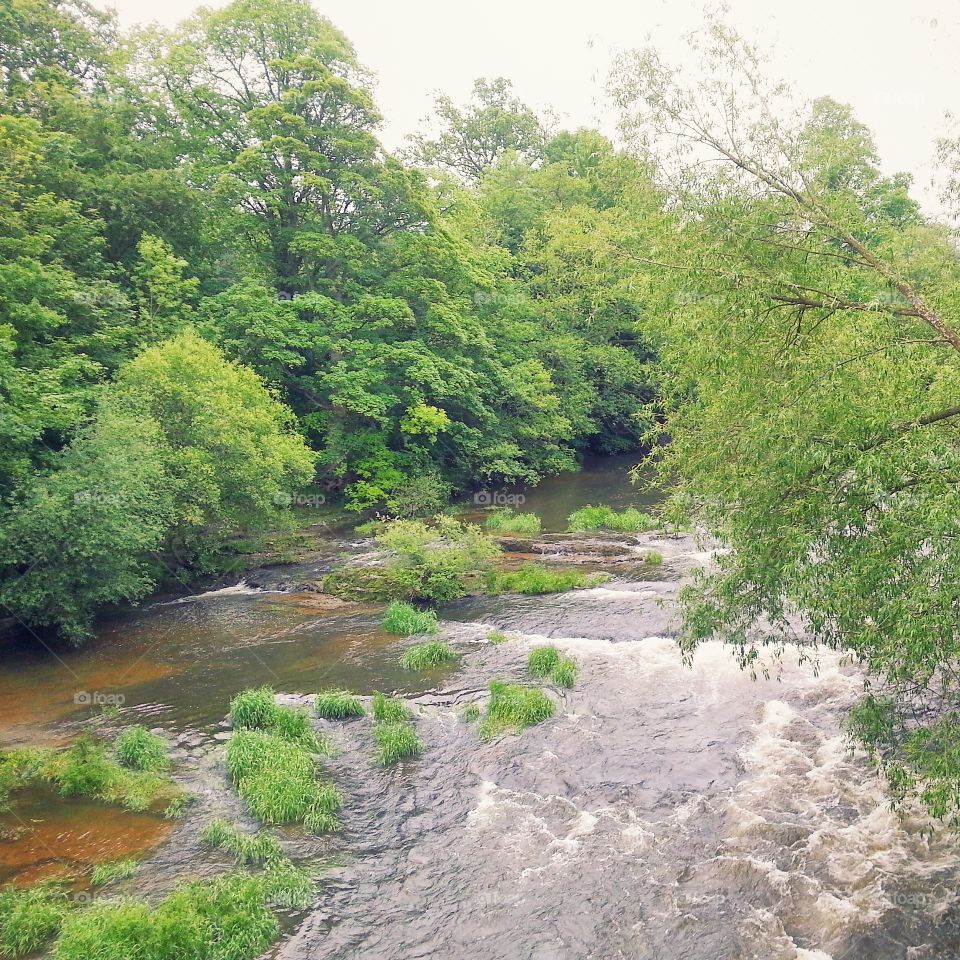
[{"x": 669, "y": 812}]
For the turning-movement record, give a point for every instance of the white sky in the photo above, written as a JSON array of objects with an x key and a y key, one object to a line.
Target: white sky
[{"x": 895, "y": 61}]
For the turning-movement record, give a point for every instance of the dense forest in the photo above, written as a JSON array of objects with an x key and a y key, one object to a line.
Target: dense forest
[{"x": 217, "y": 288}]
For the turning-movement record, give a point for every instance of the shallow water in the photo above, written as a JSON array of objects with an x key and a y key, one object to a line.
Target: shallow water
[{"x": 665, "y": 812}]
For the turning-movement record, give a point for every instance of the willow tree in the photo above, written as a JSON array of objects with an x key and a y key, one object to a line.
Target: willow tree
[{"x": 811, "y": 374}]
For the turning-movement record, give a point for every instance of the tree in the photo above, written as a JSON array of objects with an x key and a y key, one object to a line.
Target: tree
[
  {"x": 472, "y": 138},
  {"x": 810, "y": 375}
]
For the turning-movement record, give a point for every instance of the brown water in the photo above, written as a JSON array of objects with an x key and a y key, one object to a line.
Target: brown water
[{"x": 665, "y": 812}]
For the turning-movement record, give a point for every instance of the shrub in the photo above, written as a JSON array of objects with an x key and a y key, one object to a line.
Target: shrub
[
  {"x": 564, "y": 674},
  {"x": 224, "y": 918},
  {"x": 514, "y": 707},
  {"x": 389, "y": 709},
  {"x": 630, "y": 520},
  {"x": 509, "y": 522},
  {"x": 110, "y": 872},
  {"x": 434, "y": 561},
  {"x": 404, "y": 619},
  {"x": 29, "y": 918},
  {"x": 139, "y": 749},
  {"x": 244, "y": 847},
  {"x": 338, "y": 705},
  {"x": 396, "y": 741},
  {"x": 542, "y": 660},
  {"x": 424, "y": 656},
  {"x": 535, "y": 579},
  {"x": 496, "y": 637},
  {"x": 277, "y": 778}
]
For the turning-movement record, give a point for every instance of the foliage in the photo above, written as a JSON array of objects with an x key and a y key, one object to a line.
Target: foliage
[
  {"x": 433, "y": 561},
  {"x": 471, "y": 713},
  {"x": 542, "y": 660},
  {"x": 496, "y": 637},
  {"x": 338, "y": 705},
  {"x": 257, "y": 709},
  {"x": 29, "y": 918},
  {"x": 515, "y": 707},
  {"x": 395, "y": 742},
  {"x": 427, "y": 656},
  {"x": 246, "y": 848},
  {"x": 224, "y": 918},
  {"x": 564, "y": 674},
  {"x": 630, "y": 520},
  {"x": 507, "y": 521},
  {"x": 389, "y": 709},
  {"x": 532, "y": 578},
  {"x": 405, "y": 619},
  {"x": 104, "y": 873},
  {"x": 139, "y": 749}
]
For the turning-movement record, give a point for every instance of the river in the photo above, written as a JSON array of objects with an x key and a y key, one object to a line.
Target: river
[{"x": 668, "y": 812}]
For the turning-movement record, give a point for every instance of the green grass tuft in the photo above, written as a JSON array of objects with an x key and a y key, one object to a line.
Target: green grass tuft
[
  {"x": 471, "y": 713},
  {"x": 425, "y": 656},
  {"x": 542, "y": 660},
  {"x": 389, "y": 709},
  {"x": 514, "y": 707},
  {"x": 115, "y": 870},
  {"x": 564, "y": 674},
  {"x": 139, "y": 749},
  {"x": 508, "y": 521},
  {"x": 496, "y": 637},
  {"x": 536, "y": 579},
  {"x": 253, "y": 709},
  {"x": 630, "y": 520},
  {"x": 338, "y": 705},
  {"x": 278, "y": 780},
  {"x": 653, "y": 558},
  {"x": 246, "y": 848},
  {"x": 224, "y": 918},
  {"x": 406, "y": 620},
  {"x": 396, "y": 741},
  {"x": 29, "y": 918}
]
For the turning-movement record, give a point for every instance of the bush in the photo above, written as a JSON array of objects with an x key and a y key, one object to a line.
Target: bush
[
  {"x": 514, "y": 707},
  {"x": 564, "y": 674},
  {"x": 29, "y": 918},
  {"x": 245, "y": 848},
  {"x": 389, "y": 709},
  {"x": 277, "y": 778},
  {"x": 509, "y": 522},
  {"x": 104, "y": 873},
  {"x": 542, "y": 660},
  {"x": 424, "y": 656},
  {"x": 396, "y": 741},
  {"x": 434, "y": 561},
  {"x": 224, "y": 918},
  {"x": 338, "y": 704},
  {"x": 139, "y": 749},
  {"x": 403, "y": 619},
  {"x": 535, "y": 579},
  {"x": 630, "y": 520}
]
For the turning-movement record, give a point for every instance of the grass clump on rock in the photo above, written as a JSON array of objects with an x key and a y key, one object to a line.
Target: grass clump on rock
[
  {"x": 406, "y": 620},
  {"x": 389, "y": 709},
  {"x": 507, "y": 521},
  {"x": 534, "y": 579},
  {"x": 278, "y": 780},
  {"x": 246, "y": 848},
  {"x": 564, "y": 674},
  {"x": 338, "y": 705},
  {"x": 139, "y": 749},
  {"x": 104, "y": 873},
  {"x": 257, "y": 709},
  {"x": 630, "y": 520},
  {"x": 496, "y": 637},
  {"x": 395, "y": 742},
  {"x": 542, "y": 660},
  {"x": 425, "y": 656},
  {"x": 29, "y": 918},
  {"x": 514, "y": 707}
]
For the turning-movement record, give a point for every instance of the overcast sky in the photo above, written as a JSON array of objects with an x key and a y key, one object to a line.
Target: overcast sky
[{"x": 895, "y": 61}]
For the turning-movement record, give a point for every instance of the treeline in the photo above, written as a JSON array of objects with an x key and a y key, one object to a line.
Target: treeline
[{"x": 217, "y": 287}]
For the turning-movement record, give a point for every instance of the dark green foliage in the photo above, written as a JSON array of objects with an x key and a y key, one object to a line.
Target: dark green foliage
[
  {"x": 514, "y": 707},
  {"x": 426, "y": 656}
]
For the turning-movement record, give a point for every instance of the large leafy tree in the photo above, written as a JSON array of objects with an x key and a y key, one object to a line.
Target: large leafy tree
[{"x": 812, "y": 377}]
